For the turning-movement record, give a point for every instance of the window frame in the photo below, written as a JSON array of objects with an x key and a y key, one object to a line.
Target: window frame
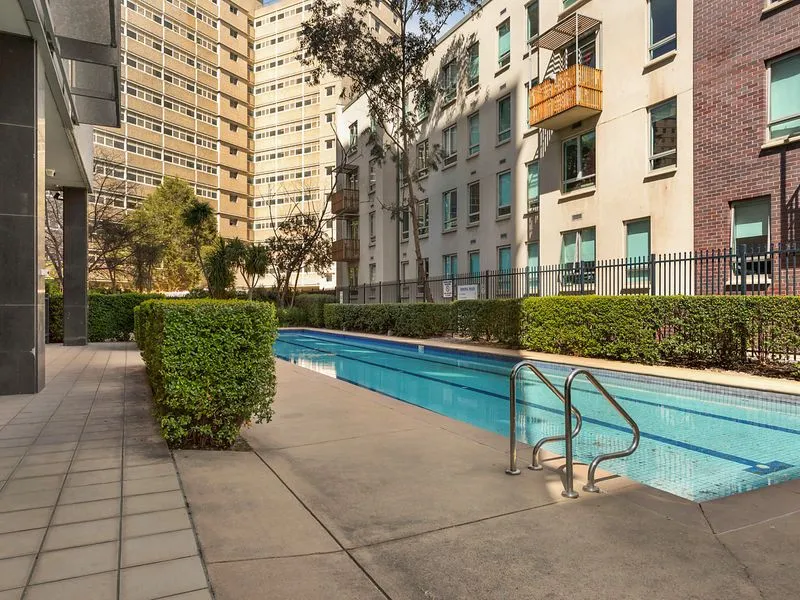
[
  {"x": 501, "y": 212},
  {"x": 637, "y": 268},
  {"x": 578, "y": 272},
  {"x": 655, "y": 46},
  {"x": 423, "y": 217},
  {"x": 666, "y": 154},
  {"x": 471, "y": 83},
  {"x": 765, "y": 200},
  {"x": 579, "y": 177},
  {"x": 473, "y": 217},
  {"x": 796, "y": 116},
  {"x": 470, "y": 254},
  {"x": 423, "y": 155},
  {"x": 528, "y": 6},
  {"x": 405, "y": 225},
  {"x": 452, "y": 157},
  {"x": 504, "y": 60},
  {"x": 473, "y": 149},
  {"x": 353, "y": 130},
  {"x": 450, "y": 81},
  {"x": 532, "y": 206},
  {"x": 504, "y": 135},
  {"x": 451, "y": 260},
  {"x": 450, "y": 210},
  {"x": 371, "y": 224}
]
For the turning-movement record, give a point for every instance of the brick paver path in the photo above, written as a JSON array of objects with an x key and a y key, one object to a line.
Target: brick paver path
[{"x": 90, "y": 504}]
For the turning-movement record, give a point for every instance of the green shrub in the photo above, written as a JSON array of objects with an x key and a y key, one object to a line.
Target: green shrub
[
  {"x": 406, "y": 320},
  {"x": 55, "y": 318},
  {"x": 291, "y": 317},
  {"x": 211, "y": 366},
  {"x": 110, "y": 316},
  {"x": 489, "y": 320},
  {"x": 312, "y": 307}
]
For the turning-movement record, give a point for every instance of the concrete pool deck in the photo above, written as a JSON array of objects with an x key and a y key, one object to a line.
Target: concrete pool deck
[{"x": 350, "y": 494}]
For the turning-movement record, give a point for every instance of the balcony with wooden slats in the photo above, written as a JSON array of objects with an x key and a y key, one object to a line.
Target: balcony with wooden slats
[
  {"x": 344, "y": 202},
  {"x": 575, "y": 94},
  {"x": 346, "y": 250}
]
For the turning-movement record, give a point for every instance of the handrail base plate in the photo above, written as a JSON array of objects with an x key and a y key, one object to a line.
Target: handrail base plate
[{"x": 514, "y": 472}]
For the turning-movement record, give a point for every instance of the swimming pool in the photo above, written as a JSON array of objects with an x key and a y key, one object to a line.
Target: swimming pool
[{"x": 698, "y": 441}]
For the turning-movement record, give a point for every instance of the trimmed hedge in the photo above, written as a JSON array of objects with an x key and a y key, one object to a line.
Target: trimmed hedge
[
  {"x": 405, "y": 320},
  {"x": 699, "y": 331},
  {"x": 211, "y": 367},
  {"x": 312, "y": 308},
  {"x": 110, "y": 316}
]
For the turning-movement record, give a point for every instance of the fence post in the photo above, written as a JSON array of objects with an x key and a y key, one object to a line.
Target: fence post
[
  {"x": 380, "y": 293},
  {"x": 652, "y": 274},
  {"x": 742, "y": 269}
]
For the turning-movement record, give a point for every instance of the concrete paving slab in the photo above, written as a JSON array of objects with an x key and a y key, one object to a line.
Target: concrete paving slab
[
  {"x": 150, "y": 485},
  {"x": 89, "y": 493},
  {"x": 319, "y": 577},
  {"x": 158, "y": 547},
  {"x": 86, "y": 511},
  {"x": 21, "y": 520},
  {"x": 155, "y": 522},
  {"x": 75, "y": 562},
  {"x": 159, "y": 580},
  {"x": 367, "y": 490},
  {"x": 749, "y": 508},
  {"x": 769, "y": 551},
  {"x": 14, "y": 571},
  {"x": 20, "y": 543},
  {"x": 132, "y": 505},
  {"x": 26, "y": 500},
  {"x": 12, "y": 594},
  {"x": 598, "y": 548},
  {"x": 81, "y": 534},
  {"x": 102, "y": 586},
  {"x": 93, "y": 477},
  {"x": 33, "y": 484},
  {"x": 248, "y": 513}
]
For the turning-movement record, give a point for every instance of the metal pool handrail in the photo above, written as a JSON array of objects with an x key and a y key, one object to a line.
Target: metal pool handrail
[
  {"x": 512, "y": 467},
  {"x": 590, "y": 486}
]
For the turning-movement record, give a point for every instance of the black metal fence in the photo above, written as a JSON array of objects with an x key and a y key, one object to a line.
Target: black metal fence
[{"x": 714, "y": 272}]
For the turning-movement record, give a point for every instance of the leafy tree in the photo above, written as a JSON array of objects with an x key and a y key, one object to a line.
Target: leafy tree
[
  {"x": 220, "y": 268},
  {"x": 164, "y": 242},
  {"x": 387, "y": 69},
  {"x": 298, "y": 242},
  {"x": 199, "y": 218},
  {"x": 252, "y": 262}
]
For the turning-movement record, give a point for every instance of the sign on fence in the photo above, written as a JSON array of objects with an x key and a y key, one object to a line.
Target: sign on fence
[
  {"x": 468, "y": 292},
  {"x": 447, "y": 288}
]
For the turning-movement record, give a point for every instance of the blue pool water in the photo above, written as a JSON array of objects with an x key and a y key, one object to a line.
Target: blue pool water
[{"x": 698, "y": 441}]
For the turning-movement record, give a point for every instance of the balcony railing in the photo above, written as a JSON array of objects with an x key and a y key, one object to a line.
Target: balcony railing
[
  {"x": 345, "y": 250},
  {"x": 574, "y": 95},
  {"x": 344, "y": 202}
]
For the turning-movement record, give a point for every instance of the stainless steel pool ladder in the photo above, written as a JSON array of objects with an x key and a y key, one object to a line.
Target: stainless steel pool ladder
[
  {"x": 569, "y": 432},
  {"x": 535, "y": 465}
]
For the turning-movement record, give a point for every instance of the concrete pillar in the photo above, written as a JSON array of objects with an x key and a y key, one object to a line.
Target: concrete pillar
[
  {"x": 76, "y": 257},
  {"x": 22, "y": 135}
]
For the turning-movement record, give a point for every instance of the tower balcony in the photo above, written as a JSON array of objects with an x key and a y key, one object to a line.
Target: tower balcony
[
  {"x": 344, "y": 202},
  {"x": 345, "y": 250},
  {"x": 574, "y": 95}
]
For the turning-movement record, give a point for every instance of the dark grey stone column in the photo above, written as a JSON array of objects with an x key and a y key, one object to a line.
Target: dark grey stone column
[
  {"x": 76, "y": 257},
  {"x": 22, "y": 86}
]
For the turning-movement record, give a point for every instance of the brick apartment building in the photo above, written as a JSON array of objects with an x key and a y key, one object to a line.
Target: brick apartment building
[{"x": 747, "y": 124}]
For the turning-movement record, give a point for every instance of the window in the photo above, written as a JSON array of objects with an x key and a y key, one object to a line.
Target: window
[
  {"x": 474, "y": 134},
  {"x": 372, "y": 226},
  {"x": 533, "y": 186},
  {"x": 504, "y": 119},
  {"x": 329, "y": 117},
  {"x": 329, "y": 90},
  {"x": 404, "y": 229},
  {"x": 587, "y": 51},
  {"x": 532, "y": 11},
  {"x": 751, "y": 225},
  {"x": 328, "y": 144},
  {"x": 353, "y": 136},
  {"x": 637, "y": 252},
  {"x": 578, "y": 256},
  {"x": 664, "y": 134},
  {"x": 474, "y": 203},
  {"x": 449, "y": 145},
  {"x": 422, "y": 159},
  {"x": 504, "y": 194},
  {"x": 449, "y": 210},
  {"x": 373, "y": 178},
  {"x": 504, "y": 44},
  {"x": 579, "y": 162},
  {"x": 784, "y": 97},
  {"x": 473, "y": 66},
  {"x": 372, "y": 269},
  {"x": 474, "y": 262},
  {"x": 532, "y": 274},
  {"x": 450, "y": 265},
  {"x": 504, "y": 258},
  {"x": 423, "y": 220},
  {"x": 450, "y": 81},
  {"x": 663, "y": 27}
]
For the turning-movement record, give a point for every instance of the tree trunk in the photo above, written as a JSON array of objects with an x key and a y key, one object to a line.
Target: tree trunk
[{"x": 422, "y": 276}]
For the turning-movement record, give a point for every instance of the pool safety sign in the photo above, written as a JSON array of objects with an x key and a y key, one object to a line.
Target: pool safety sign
[
  {"x": 468, "y": 292},
  {"x": 447, "y": 288}
]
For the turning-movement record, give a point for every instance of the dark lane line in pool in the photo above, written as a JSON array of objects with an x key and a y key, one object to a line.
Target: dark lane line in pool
[
  {"x": 591, "y": 391},
  {"x": 654, "y": 437}
]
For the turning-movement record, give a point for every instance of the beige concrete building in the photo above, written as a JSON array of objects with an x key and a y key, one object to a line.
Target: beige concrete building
[
  {"x": 295, "y": 123},
  {"x": 187, "y": 101},
  {"x": 566, "y": 135}
]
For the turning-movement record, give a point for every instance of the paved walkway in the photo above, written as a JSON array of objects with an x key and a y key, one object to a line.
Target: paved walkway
[
  {"x": 90, "y": 504},
  {"x": 352, "y": 495}
]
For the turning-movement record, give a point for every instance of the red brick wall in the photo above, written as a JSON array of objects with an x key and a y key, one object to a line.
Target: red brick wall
[{"x": 732, "y": 42}]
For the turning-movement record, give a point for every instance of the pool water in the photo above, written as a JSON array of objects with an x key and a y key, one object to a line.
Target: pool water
[{"x": 698, "y": 441}]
